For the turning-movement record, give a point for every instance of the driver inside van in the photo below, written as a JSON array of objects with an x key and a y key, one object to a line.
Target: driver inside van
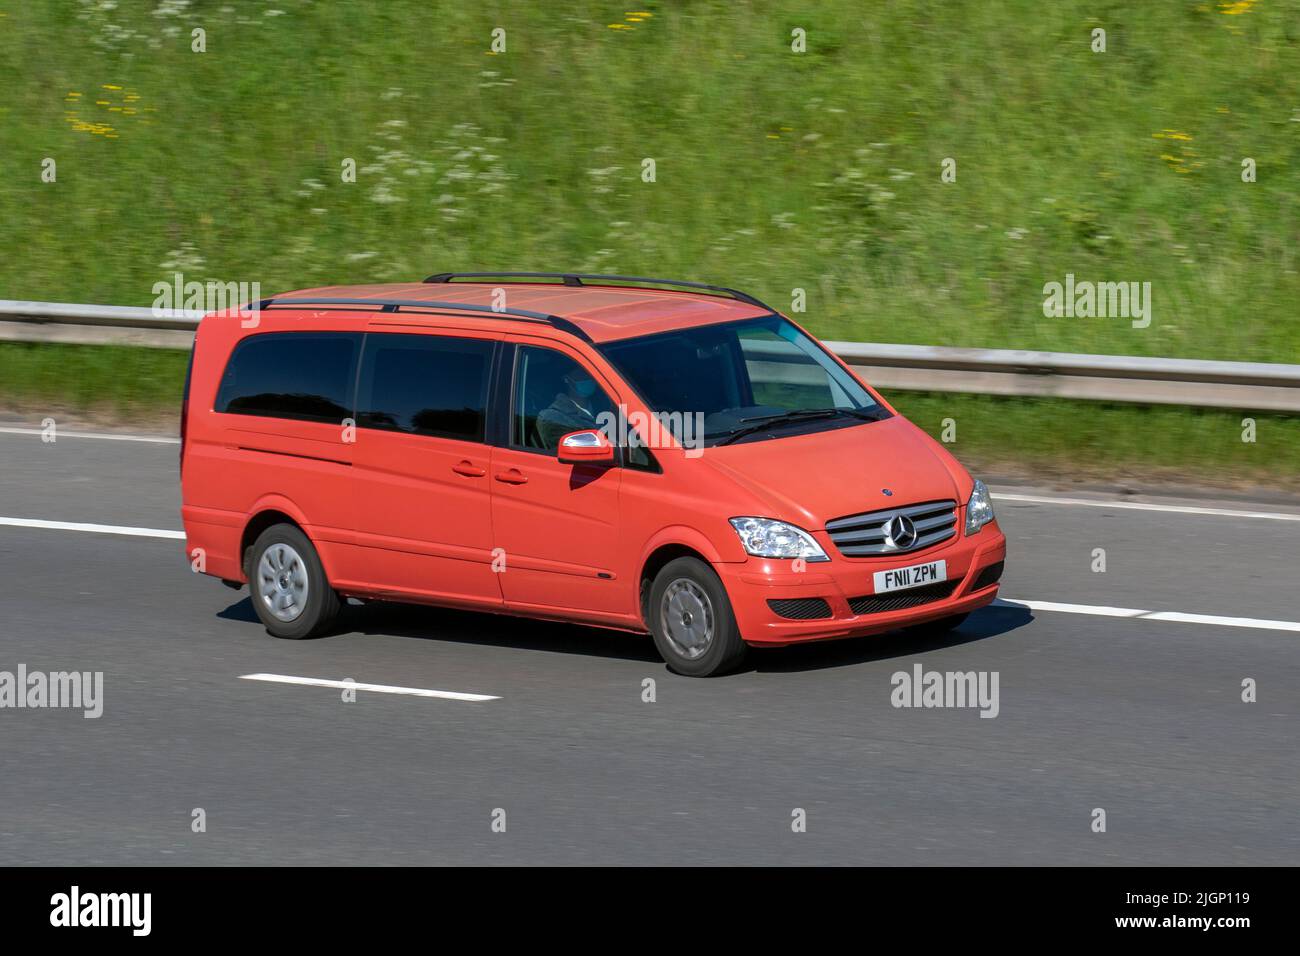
[{"x": 573, "y": 410}]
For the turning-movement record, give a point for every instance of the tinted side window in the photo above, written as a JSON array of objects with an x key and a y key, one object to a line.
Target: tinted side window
[
  {"x": 554, "y": 395},
  {"x": 300, "y": 375},
  {"x": 425, "y": 385}
]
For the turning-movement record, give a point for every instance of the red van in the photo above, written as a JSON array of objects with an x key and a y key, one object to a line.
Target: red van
[{"x": 640, "y": 454}]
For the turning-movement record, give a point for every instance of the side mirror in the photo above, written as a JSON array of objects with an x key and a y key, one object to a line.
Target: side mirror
[{"x": 587, "y": 447}]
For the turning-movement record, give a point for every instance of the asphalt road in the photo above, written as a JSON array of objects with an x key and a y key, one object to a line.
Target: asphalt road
[{"x": 1142, "y": 718}]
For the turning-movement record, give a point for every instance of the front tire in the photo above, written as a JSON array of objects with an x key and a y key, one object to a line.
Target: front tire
[
  {"x": 692, "y": 622},
  {"x": 287, "y": 584}
]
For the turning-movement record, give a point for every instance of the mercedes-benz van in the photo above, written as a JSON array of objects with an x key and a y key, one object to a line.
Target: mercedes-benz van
[{"x": 639, "y": 454}]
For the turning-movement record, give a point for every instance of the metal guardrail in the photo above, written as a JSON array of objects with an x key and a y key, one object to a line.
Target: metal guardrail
[
  {"x": 118, "y": 316},
  {"x": 1111, "y": 378},
  {"x": 1261, "y": 386},
  {"x": 96, "y": 324}
]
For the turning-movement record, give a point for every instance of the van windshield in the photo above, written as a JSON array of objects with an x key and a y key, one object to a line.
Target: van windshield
[{"x": 741, "y": 381}]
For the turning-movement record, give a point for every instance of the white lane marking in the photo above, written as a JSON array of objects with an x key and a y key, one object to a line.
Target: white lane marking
[
  {"x": 1141, "y": 506},
  {"x": 92, "y": 528},
  {"x": 1094, "y": 610},
  {"x": 1178, "y": 617},
  {"x": 357, "y": 685},
  {"x": 152, "y": 439},
  {"x": 1223, "y": 621}
]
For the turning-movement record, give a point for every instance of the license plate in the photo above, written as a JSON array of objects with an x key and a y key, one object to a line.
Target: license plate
[{"x": 897, "y": 579}]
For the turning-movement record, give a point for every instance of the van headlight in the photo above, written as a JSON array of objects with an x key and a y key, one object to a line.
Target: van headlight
[
  {"x": 979, "y": 510},
  {"x": 768, "y": 538}
]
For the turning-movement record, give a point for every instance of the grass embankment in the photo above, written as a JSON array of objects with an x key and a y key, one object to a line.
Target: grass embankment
[{"x": 774, "y": 171}]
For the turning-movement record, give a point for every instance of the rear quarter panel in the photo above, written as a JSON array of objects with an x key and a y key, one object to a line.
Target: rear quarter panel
[{"x": 236, "y": 466}]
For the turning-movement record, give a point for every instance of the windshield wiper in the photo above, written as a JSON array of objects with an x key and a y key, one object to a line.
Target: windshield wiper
[{"x": 763, "y": 422}]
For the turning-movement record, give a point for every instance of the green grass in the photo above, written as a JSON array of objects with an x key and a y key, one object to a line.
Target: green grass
[
  {"x": 103, "y": 381},
  {"x": 1075, "y": 440},
  {"x": 1001, "y": 436},
  {"x": 775, "y": 170}
]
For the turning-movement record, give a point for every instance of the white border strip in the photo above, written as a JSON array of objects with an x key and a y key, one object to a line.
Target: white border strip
[
  {"x": 92, "y": 528},
  {"x": 1143, "y": 506},
  {"x": 376, "y": 688},
  {"x": 1177, "y": 617},
  {"x": 151, "y": 439}
]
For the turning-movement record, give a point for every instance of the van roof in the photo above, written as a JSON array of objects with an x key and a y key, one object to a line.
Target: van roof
[{"x": 601, "y": 312}]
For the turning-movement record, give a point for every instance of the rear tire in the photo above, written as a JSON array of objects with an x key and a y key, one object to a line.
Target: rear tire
[
  {"x": 938, "y": 628},
  {"x": 692, "y": 622},
  {"x": 287, "y": 584}
]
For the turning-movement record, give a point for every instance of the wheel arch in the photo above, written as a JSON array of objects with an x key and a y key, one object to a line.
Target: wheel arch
[
  {"x": 259, "y": 522},
  {"x": 668, "y": 545}
]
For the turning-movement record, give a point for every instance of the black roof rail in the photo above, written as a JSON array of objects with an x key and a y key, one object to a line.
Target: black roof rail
[
  {"x": 395, "y": 305},
  {"x": 581, "y": 279}
]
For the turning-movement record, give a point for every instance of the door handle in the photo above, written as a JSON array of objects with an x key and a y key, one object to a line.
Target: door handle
[
  {"x": 467, "y": 469},
  {"x": 512, "y": 477}
]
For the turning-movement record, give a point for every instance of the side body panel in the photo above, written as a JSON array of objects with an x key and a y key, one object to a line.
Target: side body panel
[
  {"x": 421, "y": 509},
  {"x": 237, "y": 466},
  {"x": 557, "y": 525}
]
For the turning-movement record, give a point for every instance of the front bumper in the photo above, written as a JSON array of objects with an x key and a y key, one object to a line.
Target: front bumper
[{"x": 752, "y": 584}]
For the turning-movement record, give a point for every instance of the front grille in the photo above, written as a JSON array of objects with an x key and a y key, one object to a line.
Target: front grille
[
  {"x": 800, "y": 609},
  {"x": 990, "y": 575},
  {"x": 865, "y": 534},
  {"x": 899, "y": 600}
]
